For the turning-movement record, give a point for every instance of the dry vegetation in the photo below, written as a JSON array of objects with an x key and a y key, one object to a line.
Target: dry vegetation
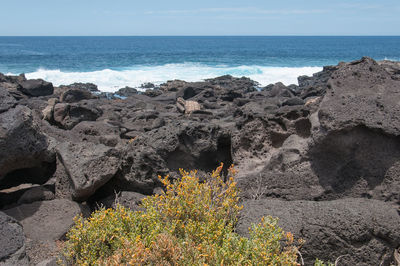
[{"x": 192, "y": 223}]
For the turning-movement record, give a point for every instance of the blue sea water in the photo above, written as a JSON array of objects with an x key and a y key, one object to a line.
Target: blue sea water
[{"x": 115, "y": 62}]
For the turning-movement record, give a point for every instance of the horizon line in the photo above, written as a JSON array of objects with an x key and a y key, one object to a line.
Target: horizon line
[{"x": 288, "y": 35}]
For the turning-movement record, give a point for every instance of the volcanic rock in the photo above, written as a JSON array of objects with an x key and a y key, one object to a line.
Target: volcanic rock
[
  {"x": 47, "y": 220},
  {"x": 128, "y": 199},
  {"x": 12, "y": 242},
  {"x": 36, "y": 87},
  {"x": 22, "y": 145},
  {"x": 75, "y": 95},
  {"x": 82, "y": 86},
  {"x": 357, "y": 231},
  {"x": 87, "y": 166},
  {"x": 127, "y": 91},
  {"x": 6, "y": 100}
]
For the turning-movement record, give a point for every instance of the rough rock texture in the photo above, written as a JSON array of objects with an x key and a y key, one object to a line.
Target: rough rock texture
[
  {"x": 67, "y": 115},
  {"x": 36, "y": 87},
  {"x": 45, "y": 223},
  {"x": 39, "y": 193},
  {"x": 82, "y": 86},
  {"x": 88, "y": 166},
  {"x": 22, "y": 145},
  {"x": 48, "y": 262},
  {"x": 127, "y": 91},
  {"x": 46, "y": 220},
  {"x": 330, "y": 156},
  {"x": 75, "y": 95},
  {"x": 12, "y": 242},
  {"x": 6, "y": 100},
  {"x": 187, "y": 107},
  {"x": 362, "y": 231},
  {"x": 361, "y": 93},
  {"x": 128, "y": 199}
]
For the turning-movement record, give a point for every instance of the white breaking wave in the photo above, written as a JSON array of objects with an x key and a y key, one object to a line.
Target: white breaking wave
[{"x": 109, "y": 80}]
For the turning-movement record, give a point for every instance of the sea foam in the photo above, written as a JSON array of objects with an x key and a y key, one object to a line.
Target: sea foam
[{"x": 109, "y": 80}]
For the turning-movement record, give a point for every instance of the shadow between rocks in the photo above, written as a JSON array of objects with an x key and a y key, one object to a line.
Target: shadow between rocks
[{"x": 357, "y": 157}]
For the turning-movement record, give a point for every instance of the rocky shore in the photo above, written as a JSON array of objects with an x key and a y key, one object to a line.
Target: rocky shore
[{"x": 323, "y": 156}]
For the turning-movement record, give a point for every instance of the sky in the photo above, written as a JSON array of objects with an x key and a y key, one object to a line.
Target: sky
[{"x": 205, "y": 17}]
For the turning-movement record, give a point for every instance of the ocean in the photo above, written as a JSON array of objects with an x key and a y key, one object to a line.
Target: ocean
[{"x": 116, "y": 62}]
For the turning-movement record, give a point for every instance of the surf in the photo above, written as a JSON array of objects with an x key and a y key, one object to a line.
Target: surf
[{"x": 110, "y": 80}]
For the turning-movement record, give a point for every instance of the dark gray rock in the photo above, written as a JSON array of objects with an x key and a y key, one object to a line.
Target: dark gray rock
[
  {"x": 82, "y": 86},
  {"x": 152, "y": 92},
  {"x": 173, "y": 85},
  {"x": 88, "y": 166},
  {"x": 361, "y": 93},
  {"x": 47, "y": 220},
  {"x": 6, "y": 100},
  {"x": 75, "y": 95},
  {"x": 12, "y": 79},
  {"x": 293, "y": 101},
  {"x": 393, "y": 68},
  {"x": 315, "y": 85},
  {"x": 128, "y": 199},
  {"x": 127, "y": 91},
  {"x": 36, "y": 194},
  {"x": 140, "y": 168},
  {"x": 12, "y": 242},
  {"x": 242, "y": 84},
  {"x": 69, "y": 115},
  {"x": 100, "y": 132},
  {"x": 147, "y": 85},
  {"x": 329, "y": 152},
  {"x": 278, "y": 90},
  {"x": 36, "y": 87},
  {"x": 22, "y": 145},
  {"x": 48, "y": 262},
  {"x": 364, "y": 232}
]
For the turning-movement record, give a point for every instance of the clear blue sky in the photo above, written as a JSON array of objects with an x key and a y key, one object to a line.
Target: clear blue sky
[{"x": 204, "y": 17}]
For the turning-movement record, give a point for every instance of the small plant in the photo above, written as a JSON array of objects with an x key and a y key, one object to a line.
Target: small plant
[
  {"x": 319, "y": 262},
  {"x": 259, "y": 189},
  {"x": 192, "y": 223}
]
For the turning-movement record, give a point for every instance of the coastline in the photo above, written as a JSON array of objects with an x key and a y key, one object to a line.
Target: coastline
[
  {"x": 323, "y": 152},
  {"x": 109, "y": 80}
]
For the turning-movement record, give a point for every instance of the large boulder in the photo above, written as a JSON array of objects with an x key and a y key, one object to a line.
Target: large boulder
[
  {"x": 356, "y": 150},
  {"x": 47, "y": 220},
  {"x": 103, "y": 132},
  {"x": 140, "y": 168},
  {"x": 162, "y": 151},
  {"x": 361, "y": 93},
  {"x": 45, "y": 223},
  {"x": 81, "y": 86},
  {"x": 359, "y": 231},
  {"x": 326, "y": 152},
  {"x": 22, "y": 145},
  {"x": 69, "y": 115},
  {"x": 87, "y": 166},
  {"x": 36, "y": 87},
  {"x": 12, "y": 242},
  {"x": 192, "y": 145}
]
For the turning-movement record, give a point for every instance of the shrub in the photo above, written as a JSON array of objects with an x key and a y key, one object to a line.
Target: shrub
[
  {"x": 192, "y": 223},
  {"x": 319, "y": 262}
]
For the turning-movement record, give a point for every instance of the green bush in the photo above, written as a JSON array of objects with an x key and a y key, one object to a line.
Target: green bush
[{"x": 192, "y": 223}]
